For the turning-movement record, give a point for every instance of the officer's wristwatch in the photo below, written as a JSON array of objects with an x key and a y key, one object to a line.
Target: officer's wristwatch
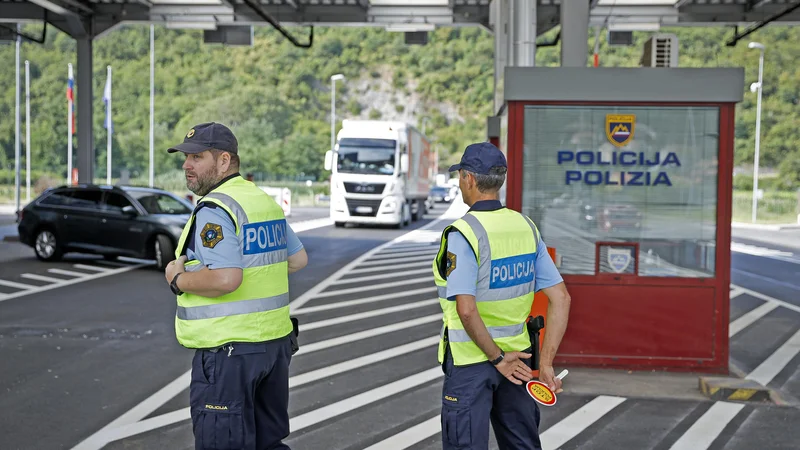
[
  {"x": 173, "y": 285},
  {"x": 499, "y": 358}
]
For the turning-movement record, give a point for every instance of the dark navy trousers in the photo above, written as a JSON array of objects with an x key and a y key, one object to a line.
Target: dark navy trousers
[
  {"x": 473, "y": 396},
  {"x": 239, "y": 396}
]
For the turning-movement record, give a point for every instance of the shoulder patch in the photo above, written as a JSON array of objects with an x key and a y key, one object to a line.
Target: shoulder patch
[
  {"x": 211, "y": 235},
  {"x": 451, "y": 263}
]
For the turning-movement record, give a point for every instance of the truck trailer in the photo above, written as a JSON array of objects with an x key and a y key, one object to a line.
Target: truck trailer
[{"x": 382, "y": 173}]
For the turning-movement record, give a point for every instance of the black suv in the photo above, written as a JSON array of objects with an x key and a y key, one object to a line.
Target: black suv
[{"x": 108, "y": 220}]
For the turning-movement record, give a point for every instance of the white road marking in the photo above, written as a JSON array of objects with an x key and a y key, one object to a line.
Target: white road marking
[
  {"x": 368, "y": 314},
  {"x": 770, "y": 280},
  {"x": 366, "y": 334},
  {"x": 574, "y": 424},
  {"x": 735, "y": 293},
  {"x": 321, "y": 286},
  {"x": 747, "y": 319},
  {"x": 706, "y": 429},
  {"x": 33, "y": 276},
  {"x": 14, "y": 284},
  {"x": 416, "y": 248},
  {"x": 777, "y": 361},
  {"x": 92, "y": 268},
  {"x": 299, "y": 227},
  {"x": 768, "y": 298},
  {"x": 365, "y": 398},
  {"x": 362, "y": 301},
  {"x": 374, "y": 287},
  {"x": 384, "y": 262},
  {"x": 372, "y": 358},
  {"x": 410, "y": 436},
  {"x": 62, "y": 283},
  {"x": 383, "y": 275},
  {"x": 68, "y": 273},
  {"x": 402, "y": 255},
  {"x": 383, "y": 267},
  {"x": 764, "y": 252}
]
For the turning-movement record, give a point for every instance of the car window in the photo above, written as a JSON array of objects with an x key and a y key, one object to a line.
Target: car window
[
  {"x": 115, "y": 202},
  {"x": 158, "y": 203},
  {"x": 86, "y": 199},
  {"x": 57, "y": 198}
]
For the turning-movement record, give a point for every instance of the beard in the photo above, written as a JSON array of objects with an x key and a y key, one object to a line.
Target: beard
[{"x": 202, "y": 183}]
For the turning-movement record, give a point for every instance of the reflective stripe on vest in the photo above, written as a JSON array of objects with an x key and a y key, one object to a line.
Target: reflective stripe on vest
[
  {"x": 258, "y": 310},
  {"x": 504, "y": 286}
]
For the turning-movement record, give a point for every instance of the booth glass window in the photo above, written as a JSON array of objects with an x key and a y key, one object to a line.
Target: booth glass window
[{"x": 644, "y": 175}]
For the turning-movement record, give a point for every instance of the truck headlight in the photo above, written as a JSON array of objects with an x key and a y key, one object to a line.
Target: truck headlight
[{"x": 390, "y": 205}]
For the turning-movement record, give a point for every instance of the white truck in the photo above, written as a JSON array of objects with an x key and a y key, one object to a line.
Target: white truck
[{"x": 381, "y": 173}]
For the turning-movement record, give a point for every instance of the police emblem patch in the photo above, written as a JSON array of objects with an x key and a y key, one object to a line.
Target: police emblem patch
[
  {"x": 619, "y": 128},
  {"x": 190, "y": 133},
  {"x": 619, "y": 259},
  {"x": 211, "y": 235},
  {"x": 451, "y": 263}
]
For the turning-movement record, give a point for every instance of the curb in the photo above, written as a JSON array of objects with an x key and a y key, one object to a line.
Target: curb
[
  {"x": 737, "y": 389},
  {"x": 773, "y": 227}
]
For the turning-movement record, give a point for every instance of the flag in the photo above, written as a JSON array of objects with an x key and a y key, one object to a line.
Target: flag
[
  {"x": 71, "y": 96},
  {"x": 108, "y": 124}
]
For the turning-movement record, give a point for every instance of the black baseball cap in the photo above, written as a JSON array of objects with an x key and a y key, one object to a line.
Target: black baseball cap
[
  {"x": 480, "y": 158},
  {"x": 208, "y": 136}
]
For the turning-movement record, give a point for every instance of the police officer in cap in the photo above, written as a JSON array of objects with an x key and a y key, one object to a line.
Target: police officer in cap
[
  {"x": 231, "y": 278},
  {"x": 490, "y": 263}
]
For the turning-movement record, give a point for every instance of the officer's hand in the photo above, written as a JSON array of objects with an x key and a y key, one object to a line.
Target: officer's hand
[
  {"x": 514, "y": 369},
  {"x": 175, "y": 267},
  {"x": 548, "y": 377}
]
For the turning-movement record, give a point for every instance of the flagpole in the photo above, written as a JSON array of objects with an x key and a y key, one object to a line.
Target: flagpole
[
  {"x": 109, "y": 127},
  {"x": 69, "y": 132},
  {"x": 16, "y": 132},
  {"x": 152, "y": 98},
  {"x": 27, "y": 132}
]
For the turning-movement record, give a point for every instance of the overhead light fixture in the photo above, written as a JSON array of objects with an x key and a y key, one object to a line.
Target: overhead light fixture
[
  {"x": 178, "y": 25},
  {"x": 410, "y": 27},
  {"x": 641, "y": 26}
]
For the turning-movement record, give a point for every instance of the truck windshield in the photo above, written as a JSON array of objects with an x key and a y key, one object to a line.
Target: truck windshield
[{"x": 372, "y": 156}]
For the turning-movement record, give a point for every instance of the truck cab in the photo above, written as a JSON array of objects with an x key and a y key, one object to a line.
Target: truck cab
[{"x": 382, "y": 173}]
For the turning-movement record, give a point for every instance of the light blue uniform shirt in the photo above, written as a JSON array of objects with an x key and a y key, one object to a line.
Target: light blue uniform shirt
[
  {"x": 226, "y": 252},
  {"x": 464, "y": 278}
]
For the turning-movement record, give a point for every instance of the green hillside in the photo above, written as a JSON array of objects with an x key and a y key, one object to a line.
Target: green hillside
[{"x": 277, "y": 97}]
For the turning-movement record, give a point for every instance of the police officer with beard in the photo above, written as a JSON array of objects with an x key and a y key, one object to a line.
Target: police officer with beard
[{"x": 231, "y": 278}]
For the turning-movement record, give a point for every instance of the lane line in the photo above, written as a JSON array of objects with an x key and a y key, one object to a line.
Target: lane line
[
  {"x": 14, "y": 284},
  {"x": 416, "y": 248},
  {"x": 382, "y": 276},
  {"x": 306, "y": 225},
  {"x": 747, "y": 319},
  {"x": 410, "y": 436},
  {"x": 735, "y": 293},
  {"x": 368, "y": 314},
  {"x": 768, "y": 279},
  {"x": 366, "y": 334},
  {"x": 92, "y": 268},
  {"x": 409, "y": 259},
  {"x": 390, "y": 267},
  {"x": 374, "y": 287},
  {"x": 402, "y": 255},
  {"x": 33, "y": 276},
  {"x": 295, "y": 423},
  {"x": 768, "y": 298},
  {"x": 130, "y": 423},
  {"x": 574, "y": 424},
  {"x": 366, "y": 360},
  {"x": 362, "y": 301},
  {"x": 706, "y": 429},
  {"x": 322, "y": 285},
  {"x": 777, "y": 361},
  {"x": 68, "y": 273},
  {"x": 365, "y": 398},
  {"x": 62, "y": 283}
]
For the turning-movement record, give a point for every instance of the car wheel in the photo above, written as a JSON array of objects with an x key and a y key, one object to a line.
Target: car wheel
[
  {"x": 163, "y": 251},
  {"x": 338, "y": 224},
  {"x": 46, "y": 245}
]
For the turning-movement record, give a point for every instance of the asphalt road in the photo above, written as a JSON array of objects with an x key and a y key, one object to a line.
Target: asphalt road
[{"x": 96, "y": 362}]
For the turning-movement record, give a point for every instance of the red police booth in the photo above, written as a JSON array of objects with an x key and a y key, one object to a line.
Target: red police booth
[{"x": 627, "y": 172}]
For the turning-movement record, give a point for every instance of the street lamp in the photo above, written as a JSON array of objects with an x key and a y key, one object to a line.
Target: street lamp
[
  {"x": 753, "y": 88},
  {"x": 334, "y": 79}
]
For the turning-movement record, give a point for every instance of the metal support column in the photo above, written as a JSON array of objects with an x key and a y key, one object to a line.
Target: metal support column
[
  {"x": 85, "y": 100},
  {"x": 574, "y": 33},
  {"x": 525, "y": 33},
  {"x": 499, "y": 21}
]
